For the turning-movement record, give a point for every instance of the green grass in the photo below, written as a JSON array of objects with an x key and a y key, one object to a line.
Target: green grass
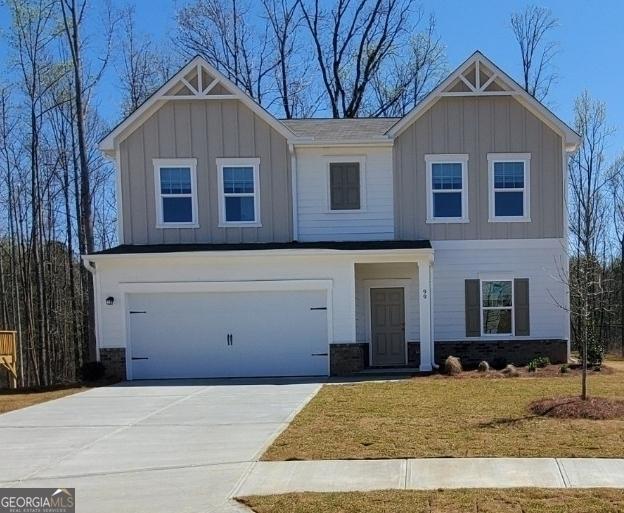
[
  {"x": 446, "y": 501},
  {"x": 449, "y": 417}
]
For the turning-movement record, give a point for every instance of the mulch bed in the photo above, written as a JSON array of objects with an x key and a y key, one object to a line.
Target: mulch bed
[
  {"x": 550, "y": 371},
  {"x": 594, "y": 408}
]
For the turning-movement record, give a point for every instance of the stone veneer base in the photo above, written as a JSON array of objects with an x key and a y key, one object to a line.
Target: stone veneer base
[
  {"x": 347, "y": 359},
  {"x": 114, "y": 361}
]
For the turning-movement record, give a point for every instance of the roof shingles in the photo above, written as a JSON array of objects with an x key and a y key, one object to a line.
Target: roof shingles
[{"x": 332, "y": 130}]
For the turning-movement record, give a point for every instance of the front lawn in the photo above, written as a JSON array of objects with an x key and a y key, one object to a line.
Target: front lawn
[
  {"x": 450, "y": 417},
  {"x": 16, "y": 399},
  {"x": 444, "y": 501}
]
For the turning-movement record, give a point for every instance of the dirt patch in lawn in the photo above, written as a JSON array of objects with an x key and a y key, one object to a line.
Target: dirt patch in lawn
[
  {"x": 596, "y": 408},
  {"x": 532, "y": 500}
]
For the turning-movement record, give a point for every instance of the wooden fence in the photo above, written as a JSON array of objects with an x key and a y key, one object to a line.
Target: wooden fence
[{"x": 8, "y": 355}]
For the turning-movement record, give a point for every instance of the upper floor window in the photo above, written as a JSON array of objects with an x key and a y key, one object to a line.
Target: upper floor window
[
  {"x": 345, "y": 187},
  {"x": 176, "y": 193},
  {"x": 447, "y": 188},
  {"x": 509, "y": 187},
  {"x": 239, "y": 191}
]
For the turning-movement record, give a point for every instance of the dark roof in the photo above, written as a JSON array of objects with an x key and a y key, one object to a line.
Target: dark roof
[
  {"x": 125, "y": 249},
  {"x": 332, "y": 130}
]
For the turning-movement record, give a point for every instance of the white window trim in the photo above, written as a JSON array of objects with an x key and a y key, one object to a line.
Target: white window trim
[
  {"x": 190, "y": 163},
  {"x": 447, "y": 158},
  {"x": 482, "y": 308},
  {"x": 510, "y": 157},
  {"x": 237, "y": 162},
  {"x": 336, "y": 159}
]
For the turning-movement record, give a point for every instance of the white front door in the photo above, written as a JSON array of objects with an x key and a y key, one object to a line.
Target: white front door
[{"x": 228, "y": 334}]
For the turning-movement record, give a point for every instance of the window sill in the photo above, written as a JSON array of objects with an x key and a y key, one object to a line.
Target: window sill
[
  {"x": 251, "y": 224},
  {"x": 509, "y": 220},
  {"x": 347, "y": 211},
  {"x": 162, "y": 226},
  {"x": 447, "y": 220}
]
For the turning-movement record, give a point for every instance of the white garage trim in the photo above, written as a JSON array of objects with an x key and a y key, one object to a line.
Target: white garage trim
[{"x": 220, "y": 286}]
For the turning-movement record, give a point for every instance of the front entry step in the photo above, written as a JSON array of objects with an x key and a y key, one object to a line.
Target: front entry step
[{"x": 390, "y": 371}]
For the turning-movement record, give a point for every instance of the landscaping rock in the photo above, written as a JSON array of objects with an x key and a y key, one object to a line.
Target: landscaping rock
[
  {"x": 510, "y": 371},
  {"x": 452, "y": 366}
]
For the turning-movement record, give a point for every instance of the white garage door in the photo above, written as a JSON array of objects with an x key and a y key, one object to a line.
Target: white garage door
[{"x": 228, "y": 334}]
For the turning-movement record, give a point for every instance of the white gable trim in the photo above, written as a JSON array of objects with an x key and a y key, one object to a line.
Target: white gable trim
[
  {"x": 512, "y": 88},
  {"x": 110, "y": 143}
]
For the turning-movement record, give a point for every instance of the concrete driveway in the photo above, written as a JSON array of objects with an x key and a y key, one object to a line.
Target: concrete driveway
[{"x": 160, "y": 446}]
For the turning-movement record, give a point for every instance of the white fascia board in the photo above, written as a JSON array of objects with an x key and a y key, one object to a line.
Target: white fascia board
[{"x": 424, "y": 253}]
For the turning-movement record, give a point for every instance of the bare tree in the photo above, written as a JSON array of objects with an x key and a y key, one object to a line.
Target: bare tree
[
  {"x": 291, "y": 73},
  {"x": 532, "y": 29},
  {"x": 616, "y": 186},
  {"x": 402, "y": 82},
  {"x": 351, "y": 42},
  {"x": 223, "y": 32},
  {"x": 588, "y": 220},
  {"x": 144, "y": 66}
]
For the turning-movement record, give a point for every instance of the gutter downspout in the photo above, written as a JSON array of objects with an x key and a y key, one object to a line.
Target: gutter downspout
[{"x": 293, "y": 185}]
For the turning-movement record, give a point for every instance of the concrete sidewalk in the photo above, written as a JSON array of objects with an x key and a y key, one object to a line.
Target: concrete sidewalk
[{"x": 267, "y": 478}]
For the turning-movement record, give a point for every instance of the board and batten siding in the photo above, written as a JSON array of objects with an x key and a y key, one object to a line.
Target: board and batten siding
[
  {"x": 477, "y": 126},
  {"x": 542, "y": 261},
  {"x": 205, "y": 130},
  {"x": 374, "y": 220}
]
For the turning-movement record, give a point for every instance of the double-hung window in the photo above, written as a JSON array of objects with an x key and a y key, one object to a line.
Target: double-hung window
[
  {"x": 239, "y": 191},
  {"x": 497, "y": 307},
  {"x": 509, "y": 187},
  {"x": 447, "y": 188},
  {"x": 175, "y": 183}
]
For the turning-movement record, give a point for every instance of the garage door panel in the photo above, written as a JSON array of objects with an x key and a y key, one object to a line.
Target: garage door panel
[{"x": 185, "y": 334}]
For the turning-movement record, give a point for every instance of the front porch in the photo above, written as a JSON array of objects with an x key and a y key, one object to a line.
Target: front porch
[{"x": 393, "y": 316}]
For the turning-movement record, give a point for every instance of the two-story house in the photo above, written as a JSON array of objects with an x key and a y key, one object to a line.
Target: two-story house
[{"x": 252, "y": 246}]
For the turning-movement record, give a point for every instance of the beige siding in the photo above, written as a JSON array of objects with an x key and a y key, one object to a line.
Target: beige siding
[
  {"x": 478, "y": 126},
  {"x": 205, "y": 130}
]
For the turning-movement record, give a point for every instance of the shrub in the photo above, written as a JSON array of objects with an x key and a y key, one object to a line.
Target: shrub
[
  {"x": 483, "y": 366},
  {"x": 564, "y": 369},
  {"x": 510, "y": 371},
  {"x": 92, "y": 371},
  {"x": 452, "y": 366},
  {"x": 542, "y": 361},
  {"x": 539, "y": 362}
]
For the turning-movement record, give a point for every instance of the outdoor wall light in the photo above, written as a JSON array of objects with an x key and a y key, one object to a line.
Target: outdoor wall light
[{"x": 110, "y": 300}]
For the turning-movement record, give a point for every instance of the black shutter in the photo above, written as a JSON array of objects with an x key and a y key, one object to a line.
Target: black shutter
[
  {"x": 521, "y": 306},
  {"x": 473, "y": 308}
]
